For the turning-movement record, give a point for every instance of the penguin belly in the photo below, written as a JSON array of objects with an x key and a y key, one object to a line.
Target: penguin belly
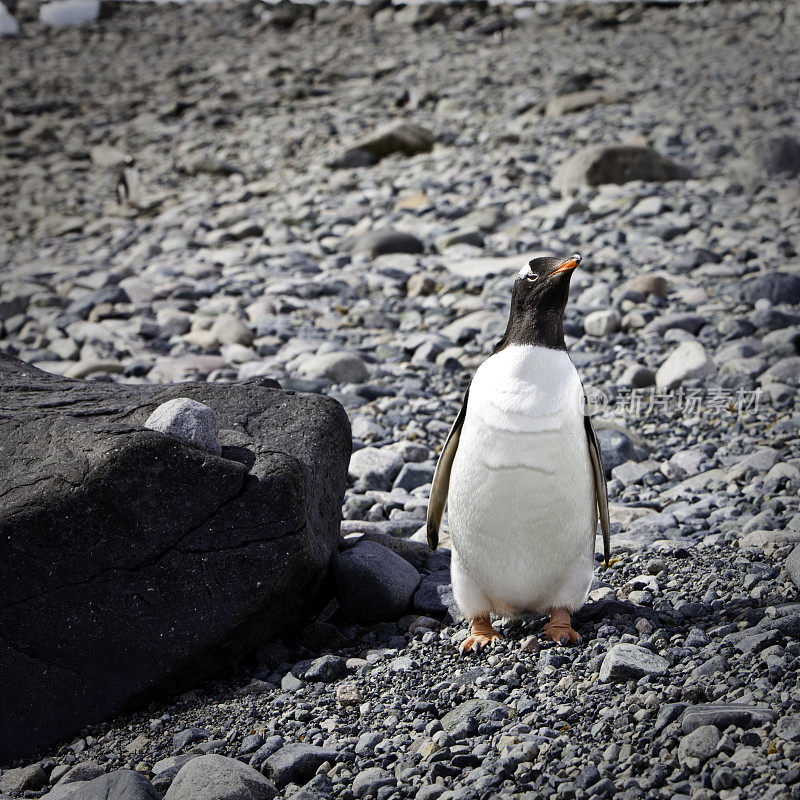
[{"x": 521, "y": 502}]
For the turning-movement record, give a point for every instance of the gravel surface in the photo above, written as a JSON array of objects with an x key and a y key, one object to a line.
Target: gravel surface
[{"x": 273, "y": 226}]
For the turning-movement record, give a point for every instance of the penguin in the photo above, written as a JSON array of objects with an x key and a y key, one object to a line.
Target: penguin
[
  {"x": 129, "y": 183},
  {"x": 522, "y": 474}
]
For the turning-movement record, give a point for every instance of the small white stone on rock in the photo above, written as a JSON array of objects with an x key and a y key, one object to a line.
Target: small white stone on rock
[{"x": 191, "y": 422}]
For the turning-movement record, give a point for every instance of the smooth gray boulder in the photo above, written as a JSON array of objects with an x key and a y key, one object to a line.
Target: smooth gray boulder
[
  {"x": 132, "y": 563},
  {"x": 373, "y": 583},
  {"x": 215, "y": 777}
]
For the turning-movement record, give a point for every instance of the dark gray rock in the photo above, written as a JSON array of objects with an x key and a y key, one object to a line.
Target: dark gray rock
[
  {"x": 297, "y": 763},
  {"x": 373, "y": 583},
  {"x": 124, "y": 784},
  {"x": 189, "y": 736},
  {"x": 463, "y": 720},
  {"x": 617, "y": 163},
  {"x": 22, "y": 779},
  {"x": 416, "y": 553},
  {"x": 215, "y": 777},
  {"x": 84, "y": 771},
  {"x": 413, "y": 475},
  {"x": 327, "y": 669},
  {"x": 96, "y": 511},
  {"x": 435, "y": 595},
  {"x": 270, "y": 746},
  {"x": 777, "y": 287},
  {"x": 617, "y": 448},
  {"x": 384, "y": 241},
  {"x": 723, "y": 714},
  {"x": 773, "y": 157},
  {"x": 369, "y": 780},
  {"x": 403, "y": 137},
  {"x": 109, "y": 294}
]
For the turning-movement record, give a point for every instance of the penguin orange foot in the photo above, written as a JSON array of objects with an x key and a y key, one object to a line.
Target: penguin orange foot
[
  {"x": 560, "y": 629},
  {"x": 481, "y": 634}
]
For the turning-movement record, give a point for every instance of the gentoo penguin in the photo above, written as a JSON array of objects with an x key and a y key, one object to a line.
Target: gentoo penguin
[
  {"x": 521, "y": 472},
  {"x": 129, "y": 183}
]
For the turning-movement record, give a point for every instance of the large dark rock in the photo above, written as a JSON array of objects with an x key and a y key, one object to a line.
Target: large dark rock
[
  {"x": 131, "y": 562},
  {"x": 617, "y": 163}
]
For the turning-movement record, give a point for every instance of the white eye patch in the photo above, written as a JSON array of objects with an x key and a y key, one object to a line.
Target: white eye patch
[{"x": 525, "y": 272}]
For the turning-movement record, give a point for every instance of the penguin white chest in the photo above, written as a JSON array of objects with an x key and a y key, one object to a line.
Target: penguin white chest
[{"x": 521, "y": 502}]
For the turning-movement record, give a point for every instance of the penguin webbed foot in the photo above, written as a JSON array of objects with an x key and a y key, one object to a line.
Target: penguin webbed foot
[
  {"x": 480, "y": 636},
  {"x": 560, "y": 629}
]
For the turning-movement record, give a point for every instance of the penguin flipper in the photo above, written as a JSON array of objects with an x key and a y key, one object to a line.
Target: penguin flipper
[
  {"x": 600, "y": 490},
  {"x": 441, "y": 477}
]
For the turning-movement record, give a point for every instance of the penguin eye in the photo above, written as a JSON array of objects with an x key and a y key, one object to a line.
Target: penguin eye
[{"x": 532, "y": 277}]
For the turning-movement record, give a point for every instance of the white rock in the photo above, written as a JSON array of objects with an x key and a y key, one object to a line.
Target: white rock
[
  {"x": 191, "y": 422},
  {"x": 688, "y": 360},
  {"x": 69, "y": 12},
  {"x": 8, "y": 25},
  {"x": 603, "y": 322}
]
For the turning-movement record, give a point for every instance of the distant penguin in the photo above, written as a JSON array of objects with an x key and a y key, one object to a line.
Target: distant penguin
[
  {"x": 129, "y": 183},
  {"x": 521, "y": 472}
]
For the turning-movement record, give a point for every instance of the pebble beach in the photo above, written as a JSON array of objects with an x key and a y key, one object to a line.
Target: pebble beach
[{"x": 339, "y": 197}]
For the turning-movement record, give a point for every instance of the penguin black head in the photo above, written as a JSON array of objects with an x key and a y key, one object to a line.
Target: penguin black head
[{"x": 538, "y": 301}]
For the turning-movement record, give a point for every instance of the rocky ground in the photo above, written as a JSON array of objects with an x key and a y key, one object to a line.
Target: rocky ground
[{"x": 257, "y": 240}]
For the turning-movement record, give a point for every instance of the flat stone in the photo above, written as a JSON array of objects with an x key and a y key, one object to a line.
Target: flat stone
[
  {"x": 629, "y": 661},
  {"x": 579, "y": 101},
  {"x": 617, "y": 163},
  {"x": 385, "y": 241},
  {"x": 403, "y": 137},
  {"x": 337, "y": 367},
  {"x": 188, "y": 421},
  {"x": 723, "y": 714},
  {"x": 8, "y": 25},
  {"x": 685, "y": 321},
  {"x": 216, "y": 777}
]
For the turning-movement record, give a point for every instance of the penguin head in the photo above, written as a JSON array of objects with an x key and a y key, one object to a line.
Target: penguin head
[{"x": 538, "y": 300}]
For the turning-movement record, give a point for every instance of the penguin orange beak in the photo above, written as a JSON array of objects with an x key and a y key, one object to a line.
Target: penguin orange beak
[{"x": 567, "y": 265}]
